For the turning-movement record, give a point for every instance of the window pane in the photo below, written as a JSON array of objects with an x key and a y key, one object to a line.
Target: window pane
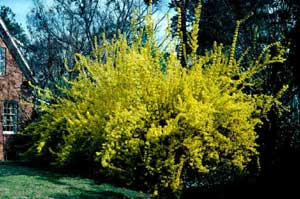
[{"x": 2, "y": 61}]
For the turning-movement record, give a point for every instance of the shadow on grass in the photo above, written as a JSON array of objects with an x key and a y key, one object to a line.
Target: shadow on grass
[
  {"x": 57, "y": 186},
  {"x": 96, "y": 195}
]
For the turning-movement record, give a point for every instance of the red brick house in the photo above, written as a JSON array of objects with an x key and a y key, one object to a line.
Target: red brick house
[{"x": 14, "y": 75}]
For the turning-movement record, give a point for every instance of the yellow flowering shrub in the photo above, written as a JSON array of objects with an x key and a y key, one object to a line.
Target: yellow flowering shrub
[{"x": 136, "y": 111}]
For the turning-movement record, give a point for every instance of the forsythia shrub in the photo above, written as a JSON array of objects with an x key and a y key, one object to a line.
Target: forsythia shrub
[{"x": 134, "y": 109}]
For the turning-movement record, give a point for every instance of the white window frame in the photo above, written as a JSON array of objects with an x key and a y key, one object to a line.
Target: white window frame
[{"x": 10, "y": 117}]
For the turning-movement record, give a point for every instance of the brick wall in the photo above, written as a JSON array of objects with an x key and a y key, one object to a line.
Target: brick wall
[{"x": 10, "y": 89}]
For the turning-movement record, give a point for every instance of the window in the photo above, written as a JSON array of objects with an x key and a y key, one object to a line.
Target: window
[
  {"x": 9, "y": 117},
  {"x": 2, "y": 61}
]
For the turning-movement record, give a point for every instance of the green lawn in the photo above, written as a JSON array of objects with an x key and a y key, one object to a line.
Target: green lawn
[{"x": 20, "y": 182}]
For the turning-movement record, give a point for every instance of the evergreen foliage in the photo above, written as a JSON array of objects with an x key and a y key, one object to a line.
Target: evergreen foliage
[
  {"x": 15, "y": 28},
  {"x": 134, "y": 110}
]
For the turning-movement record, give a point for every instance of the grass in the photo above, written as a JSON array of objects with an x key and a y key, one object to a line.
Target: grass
[{"x": 21, "y": 182}]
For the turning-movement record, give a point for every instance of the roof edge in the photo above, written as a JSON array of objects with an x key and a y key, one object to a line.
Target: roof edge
[{"x": 16, "y": 52}]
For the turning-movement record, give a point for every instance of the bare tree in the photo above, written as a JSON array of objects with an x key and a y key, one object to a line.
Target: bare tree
[{"x": 66, "y": 27}]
